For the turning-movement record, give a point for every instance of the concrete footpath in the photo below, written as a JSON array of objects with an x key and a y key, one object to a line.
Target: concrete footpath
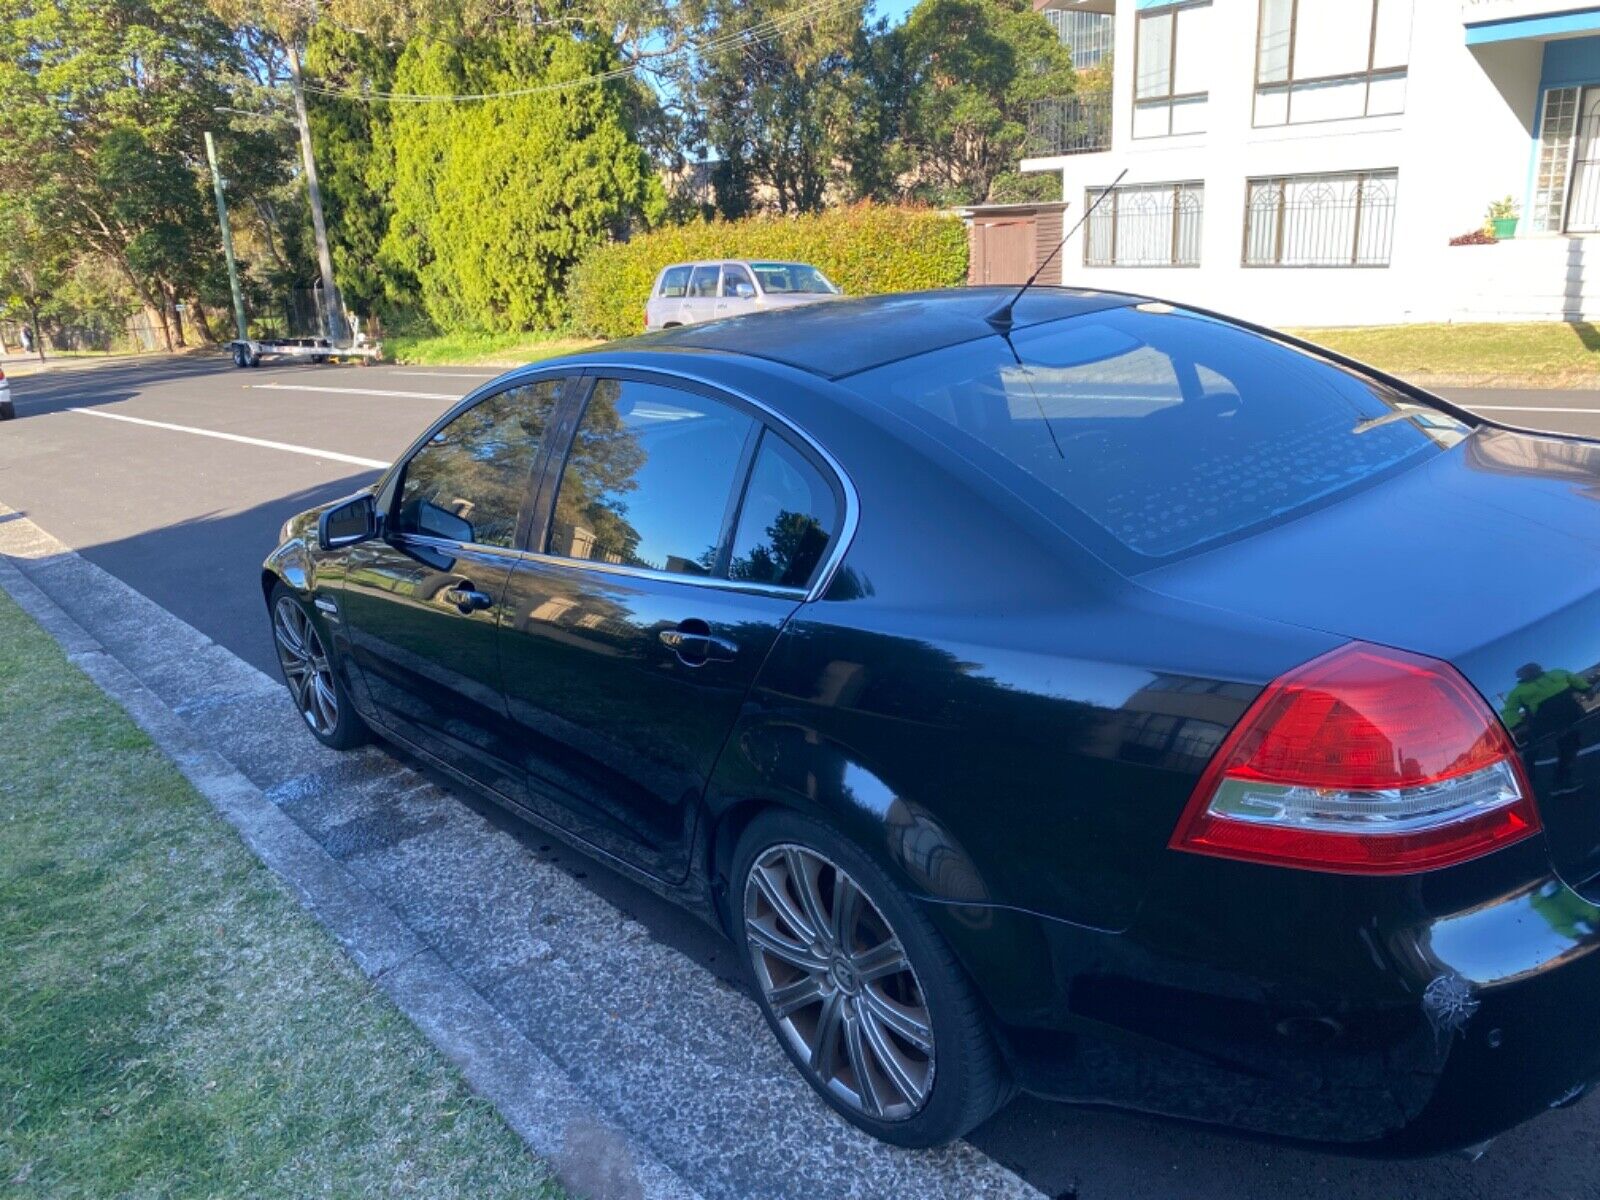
[{"x": 631, "y": 1069}]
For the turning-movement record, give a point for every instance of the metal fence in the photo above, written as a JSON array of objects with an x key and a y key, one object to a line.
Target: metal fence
[
  {"x": 1157, "y": 225},
  {"x": 1320, "y": 220},
  {"x": 1069, "y": 125}
]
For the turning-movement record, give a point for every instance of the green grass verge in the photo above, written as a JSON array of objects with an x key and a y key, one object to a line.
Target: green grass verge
[
  {"x": 481, "y": 349},
  {"x": 1536, "y": 354},
  {"x": 172, "y": 1023}
]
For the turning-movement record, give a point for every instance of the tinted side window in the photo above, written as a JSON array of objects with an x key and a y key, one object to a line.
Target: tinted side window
[
  {"x": 649, "y": 478},
  {"x": 468, "y": 483},
  {"x": 674, "y": 283},
  {"x": 788, "y": 516},
  {"x": 704, "y": 281},
  {"x": 733, "y": 274}
]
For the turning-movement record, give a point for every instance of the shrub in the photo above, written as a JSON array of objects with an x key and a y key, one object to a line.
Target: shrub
[
  {"x": 1476, "y": 238},
  {"x": 864, "y": 249}
]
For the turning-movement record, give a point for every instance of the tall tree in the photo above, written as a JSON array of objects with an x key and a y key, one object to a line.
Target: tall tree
[
  {"x": 105, "y": 105},
  {"x": 961, "y": 75}
]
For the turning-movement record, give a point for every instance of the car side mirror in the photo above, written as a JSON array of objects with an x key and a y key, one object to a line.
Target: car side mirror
[
  {"x": 744, "y": 291},
  {"x": 348, "y": 522}
]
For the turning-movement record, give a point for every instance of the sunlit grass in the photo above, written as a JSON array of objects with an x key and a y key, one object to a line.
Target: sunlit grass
[
  {"x": 1534, "y": 354},
  {"x": 172, "y": 1023},
  {"x": 480, "y": 349}
]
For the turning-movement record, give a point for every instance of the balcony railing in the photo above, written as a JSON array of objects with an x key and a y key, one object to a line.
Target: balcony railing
[{"x": 1070, "y": 125}]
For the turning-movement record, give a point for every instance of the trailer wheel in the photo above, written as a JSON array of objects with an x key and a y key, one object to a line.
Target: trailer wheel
[
  {"x": 255, "y": 360},
  {"x": 319, "y": 359},
  {"x": 238, "y": 355}
]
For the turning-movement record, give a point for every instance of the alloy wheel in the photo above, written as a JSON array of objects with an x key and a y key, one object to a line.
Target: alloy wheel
[
  {"x": 305, "y": 666},
  {"x": 839, "y": 984}
]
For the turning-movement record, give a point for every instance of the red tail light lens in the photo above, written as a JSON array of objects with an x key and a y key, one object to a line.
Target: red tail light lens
[{"x": 1365, "y": 761}]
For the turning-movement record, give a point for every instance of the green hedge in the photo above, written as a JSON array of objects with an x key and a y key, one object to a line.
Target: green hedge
[{"x": 864, "y": 249}]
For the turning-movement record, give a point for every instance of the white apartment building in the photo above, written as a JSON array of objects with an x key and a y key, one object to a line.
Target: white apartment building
[{"x": 1306, "y": 162}]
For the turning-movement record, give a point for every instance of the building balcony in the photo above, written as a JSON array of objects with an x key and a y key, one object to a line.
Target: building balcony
[
  {"x": 1069, "y": 125},
  {"x": 1516, "y": 20}
]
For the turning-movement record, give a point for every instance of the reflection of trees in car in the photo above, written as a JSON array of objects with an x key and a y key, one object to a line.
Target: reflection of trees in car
[
  {"x": 591, "y": 507},
  {"x": 794, "y": 546},
  {"x": 468, "y": 483}
]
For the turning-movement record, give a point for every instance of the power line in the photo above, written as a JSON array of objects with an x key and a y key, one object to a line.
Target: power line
[{"x": 761, "y": 31}]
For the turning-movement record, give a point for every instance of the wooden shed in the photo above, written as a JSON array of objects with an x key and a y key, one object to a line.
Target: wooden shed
[{"x": 1007, "y": 242}]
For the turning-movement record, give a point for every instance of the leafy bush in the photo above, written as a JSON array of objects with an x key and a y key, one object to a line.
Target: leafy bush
[
  {"x": 864, "y": 249},
  {"x": 1477, "y": 237}
]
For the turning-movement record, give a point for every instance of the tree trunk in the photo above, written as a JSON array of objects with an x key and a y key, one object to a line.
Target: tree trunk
[
  {"x": 201, "y": 322},
  {"x": 38, "y": 333},
  {"x": 169, "y": 302},
  {"x": 166, "y": 326}
]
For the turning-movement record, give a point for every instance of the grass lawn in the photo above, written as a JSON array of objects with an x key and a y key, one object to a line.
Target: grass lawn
[
  {"x": 172, "y": 1023},
  {"x": 480, "y": 349},
  {"x": 1538, "y": 354}
]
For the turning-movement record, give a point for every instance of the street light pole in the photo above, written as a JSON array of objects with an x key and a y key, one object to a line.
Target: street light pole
[
  {"x": 330, "y": 290},
  {"x": 227, "y": 240}
]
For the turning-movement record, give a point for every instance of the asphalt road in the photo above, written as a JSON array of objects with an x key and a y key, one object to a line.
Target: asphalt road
[{"x": 175, "y": 475}]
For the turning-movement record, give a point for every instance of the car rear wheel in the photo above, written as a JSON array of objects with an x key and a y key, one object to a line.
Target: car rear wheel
[
  {"x": 860, "y": 989},
  {"x": 314, "y": 685}
]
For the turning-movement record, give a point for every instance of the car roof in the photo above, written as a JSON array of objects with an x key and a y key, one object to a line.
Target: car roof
[{"x": 842, "y": 337}]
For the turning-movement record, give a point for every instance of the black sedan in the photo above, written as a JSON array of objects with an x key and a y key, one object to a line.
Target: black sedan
[{"x": 1115, "y": 702}]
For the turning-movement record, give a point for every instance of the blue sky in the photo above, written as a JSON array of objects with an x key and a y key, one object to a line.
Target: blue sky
[{"x": 895, "y": 10}]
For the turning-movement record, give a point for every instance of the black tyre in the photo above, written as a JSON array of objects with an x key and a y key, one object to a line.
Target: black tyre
[
  {"x": 860, "y": 989},
  {"x": 241, "y": 356},
  {"x": 314, "y": 685}
]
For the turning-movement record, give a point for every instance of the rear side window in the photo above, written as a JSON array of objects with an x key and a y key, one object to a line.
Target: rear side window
[
  {"x": 674, "y": 283},
  {"x": 467, "y": 484},
  {"x": 788, "y": 516},
  {"x": 1157, "y": 434},
  {"x": 704, "y": 280},
  {"x": 650, "y": 478}
]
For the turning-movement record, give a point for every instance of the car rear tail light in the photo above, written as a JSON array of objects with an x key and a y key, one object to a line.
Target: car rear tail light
[{"x": 1366, "y": 761}]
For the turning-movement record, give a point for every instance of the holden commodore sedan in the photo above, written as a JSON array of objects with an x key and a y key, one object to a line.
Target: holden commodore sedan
[{"x": 1115, "y": 702}]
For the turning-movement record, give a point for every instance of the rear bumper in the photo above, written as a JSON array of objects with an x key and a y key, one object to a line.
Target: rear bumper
[{"x": 1486, "y": 1018}]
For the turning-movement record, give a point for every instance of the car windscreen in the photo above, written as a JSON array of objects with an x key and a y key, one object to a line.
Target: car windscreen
[
  {"x": 783, "y": 278},
  {"x": 1163, "y": 432}
]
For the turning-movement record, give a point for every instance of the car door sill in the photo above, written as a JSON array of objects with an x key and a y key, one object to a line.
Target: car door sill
[{"x": 682, "y": 890}]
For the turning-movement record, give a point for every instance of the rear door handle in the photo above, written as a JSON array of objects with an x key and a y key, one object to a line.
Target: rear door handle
[
  {"x": 466, "y": 598},
  {"x": 694, "y": 643}
]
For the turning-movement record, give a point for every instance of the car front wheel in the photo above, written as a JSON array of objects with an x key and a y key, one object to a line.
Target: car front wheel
[
  {"x": 862, "y": 992},
  {"x": 319, "y": 695}
]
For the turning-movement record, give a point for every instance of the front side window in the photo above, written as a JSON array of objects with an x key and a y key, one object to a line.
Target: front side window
[
  {"x": 788, "y": 515},
  {"x": 674, "y": 283},
  {"x": 1155, "y": 434},
  {"x": 649, "y": 479},
  {"x": 1152, "y": 225},
  {"x": 1344, "y": 220},
  {"x": 467, "y": 484},
  {"x": 703, "y": 283},
  {"x": 733, "y": 275},
  {"x": 1170, "y": 59},
  {"x": 793, "y": 277},
  {"x": 1327, "y": 60}
]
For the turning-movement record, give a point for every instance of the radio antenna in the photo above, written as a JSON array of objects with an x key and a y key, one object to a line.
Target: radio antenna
[{"x": 1000, "y": 318}]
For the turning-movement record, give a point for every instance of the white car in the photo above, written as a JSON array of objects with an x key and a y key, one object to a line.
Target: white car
[
  {"x": 6, "y": 409},
  {"x": 686, "y": 293}
]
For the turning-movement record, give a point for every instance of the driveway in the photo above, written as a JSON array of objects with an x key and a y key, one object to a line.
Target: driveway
[{"x": 172, "y": 479}]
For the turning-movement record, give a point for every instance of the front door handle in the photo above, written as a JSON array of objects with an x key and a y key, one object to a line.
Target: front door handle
[
  {"x": 695, "y": 645},
  {"x": 466, "y": 598}
]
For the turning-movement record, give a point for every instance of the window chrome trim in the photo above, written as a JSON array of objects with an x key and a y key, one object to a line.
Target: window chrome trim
[
  {"x": 402, "y": 538},
  {"x": 707, "y": 581},
  {"x": 849, "y": 520}
]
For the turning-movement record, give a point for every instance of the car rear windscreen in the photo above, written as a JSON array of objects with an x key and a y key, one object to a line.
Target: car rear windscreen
[{"x": 1166, "y": 431}]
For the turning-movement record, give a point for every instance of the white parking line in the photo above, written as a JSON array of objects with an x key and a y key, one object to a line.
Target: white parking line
[
  {"x": 450, "y": 374},
  {"x": 308, "y": 451},
  {"x": 1524, "y": 408},
  {"x": 309, "y": 387}
]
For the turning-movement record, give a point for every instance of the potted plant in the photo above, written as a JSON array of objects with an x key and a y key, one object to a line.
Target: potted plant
[{"x": 1502, "y": 220}]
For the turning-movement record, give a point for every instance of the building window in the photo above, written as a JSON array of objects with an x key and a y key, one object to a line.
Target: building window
[
  {"x": 1087, "y": 34},
  {"x": 1566, "y": 188},
  {"x": 1152, "y": 225},
  {"x": 1170, "y": 53},
  {"x": 1328, "y": 60},
  {"x": 1320, "y": 220}
]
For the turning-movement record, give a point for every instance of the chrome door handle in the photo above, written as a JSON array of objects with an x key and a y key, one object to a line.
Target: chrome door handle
[
  {"x": 466, "y": 598},
  {"x": 694, "y": 644}
]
